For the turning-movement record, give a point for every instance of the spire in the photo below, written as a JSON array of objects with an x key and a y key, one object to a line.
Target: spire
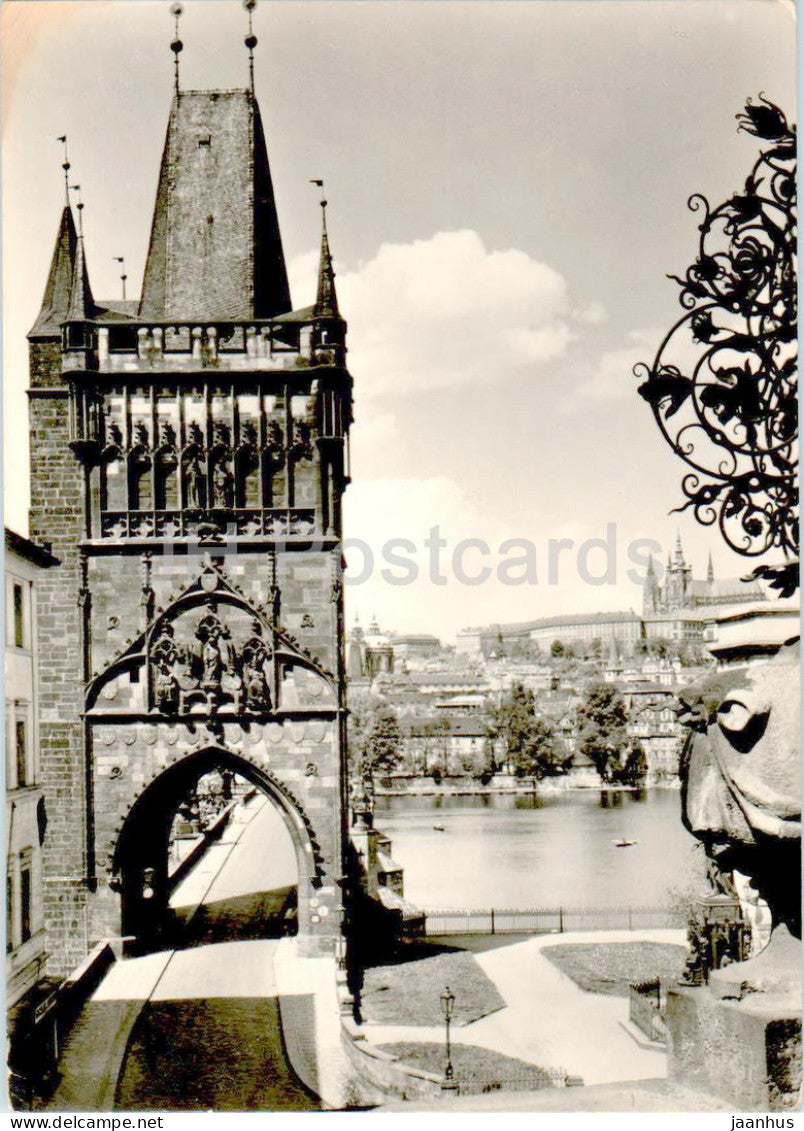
[
  {"x": 679, "y": 554},
  {"x": 710, "y": 569},
  {"x": 326, "y": 302},
  {"x": 215, "y": 251},
  {"x": 81, "y": 302},
  {"x": 56, "y": 299}
]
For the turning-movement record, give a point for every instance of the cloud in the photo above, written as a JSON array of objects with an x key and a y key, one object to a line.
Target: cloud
[
  {"x": 612, "y": 379},
  {"x": 413, "y": 586},
  {"x": 446, "y": 311},
  {"x": 593, "y": 314}
]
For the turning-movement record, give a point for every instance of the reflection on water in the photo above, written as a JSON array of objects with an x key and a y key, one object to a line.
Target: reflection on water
[{"x": 531, "y": 850}]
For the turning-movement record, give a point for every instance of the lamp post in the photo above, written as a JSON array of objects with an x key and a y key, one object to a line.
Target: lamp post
[{"x": 447, "y": 1002}]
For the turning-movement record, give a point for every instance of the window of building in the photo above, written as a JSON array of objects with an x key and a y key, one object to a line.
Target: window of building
[
  {"x": 22, "y": 751},
  {"x": 25, "y": 899},
  {"x": 9, "y": 910},
  {"x": 19, "y": 615}
]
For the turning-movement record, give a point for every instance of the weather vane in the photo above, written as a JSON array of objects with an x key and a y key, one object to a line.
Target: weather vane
[
  {"x": 80, "y": 207},
  {"x": 66, "y": 167},
  {"x": 323, "y": 200},
  {"x": 123, "y": 276},
  {"x": 176, "y": 46},
  {"x": 251, "y": 40}
]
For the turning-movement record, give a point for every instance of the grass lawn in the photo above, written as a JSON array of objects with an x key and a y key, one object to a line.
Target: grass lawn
[
  {"x": 477, "y": 1070},
  {"x": 607, "y": 968},
  {"x": 408, "y": 992}
]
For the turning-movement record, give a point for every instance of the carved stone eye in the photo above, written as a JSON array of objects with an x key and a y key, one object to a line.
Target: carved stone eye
[{"x": 742, "y": 724}]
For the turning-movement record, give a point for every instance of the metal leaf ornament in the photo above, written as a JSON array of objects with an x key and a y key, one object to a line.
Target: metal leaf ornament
[{"x": 724, "y": 381}]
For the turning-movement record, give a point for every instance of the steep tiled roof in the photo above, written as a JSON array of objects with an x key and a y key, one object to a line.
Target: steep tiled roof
[
  {"x": 215, "y": 251},
  {"x": 81, "y": 305},
  {"x": 56, "y": 300}
]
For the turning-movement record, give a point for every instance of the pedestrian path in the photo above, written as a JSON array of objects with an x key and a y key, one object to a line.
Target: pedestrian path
[
  {"x": 548, "y": 1020},
  {"x": 311, "y": 1023},
  {"x": 199, "y": 1027}
]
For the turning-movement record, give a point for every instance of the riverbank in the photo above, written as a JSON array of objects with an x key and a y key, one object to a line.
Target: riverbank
[{"x": 462, "y": 787}]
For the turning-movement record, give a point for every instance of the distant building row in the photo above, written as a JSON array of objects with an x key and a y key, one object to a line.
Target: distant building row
[{"x": 677, "y": 608}]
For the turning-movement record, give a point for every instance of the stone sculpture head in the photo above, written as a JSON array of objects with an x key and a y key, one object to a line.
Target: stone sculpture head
[{"x": 741, "y": 782}]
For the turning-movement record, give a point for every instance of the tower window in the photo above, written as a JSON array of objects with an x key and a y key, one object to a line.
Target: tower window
[
  {"x": 9, "y": 911},
  {"x": 25, "y": 899},
  {"x": 205, "y": 139},
  {"x": 19, "y": 616},
  {"x": 22, "y": 752}
]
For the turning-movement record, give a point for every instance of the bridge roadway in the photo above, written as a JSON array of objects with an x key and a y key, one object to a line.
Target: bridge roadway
[{"x": 207, "y": 1033}]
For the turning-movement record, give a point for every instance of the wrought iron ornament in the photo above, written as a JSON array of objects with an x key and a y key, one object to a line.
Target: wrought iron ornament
[{"x": 723, "y": 384}]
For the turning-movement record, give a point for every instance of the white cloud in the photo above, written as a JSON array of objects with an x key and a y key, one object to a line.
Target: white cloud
[
  {"x": 447, "y": 311},
  {"x": 593, "y": 314},
  {"x": 613, "y": 377},
  {"x": 388, "y": 518}
]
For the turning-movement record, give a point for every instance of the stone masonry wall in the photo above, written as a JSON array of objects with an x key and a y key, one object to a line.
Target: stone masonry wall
[{"x": 57, "y": 486}]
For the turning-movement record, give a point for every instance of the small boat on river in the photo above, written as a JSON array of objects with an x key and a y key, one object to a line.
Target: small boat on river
[{"x": 623, "y": 843}]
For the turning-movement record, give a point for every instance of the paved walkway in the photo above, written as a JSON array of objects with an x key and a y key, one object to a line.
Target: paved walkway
[
  {"x": 548, "y": 1020},
  {"x": 199, "y": 1027}
]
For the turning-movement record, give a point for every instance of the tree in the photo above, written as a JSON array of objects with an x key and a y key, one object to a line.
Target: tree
[
  {"x": 556, "y": 649},
  {"x": 373, "y": 737},
  {"x": 603, "y": 726},
  {"x": 635, "y": 769},
  {"x": 532, "y": 747}
]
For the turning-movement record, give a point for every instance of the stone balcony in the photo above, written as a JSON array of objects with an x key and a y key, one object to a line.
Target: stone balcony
[{"x": 176, "y": 347}]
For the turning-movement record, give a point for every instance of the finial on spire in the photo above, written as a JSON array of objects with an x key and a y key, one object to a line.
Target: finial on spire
[
  {"x": 80, "y": 208},
  {"x": 326, "y": 303},
  {"x": 121, "y": 259},
  {"x": 66, "y": 167},
  {"x": 176, "y": 46},
  {"x": 250, "y": 41}
]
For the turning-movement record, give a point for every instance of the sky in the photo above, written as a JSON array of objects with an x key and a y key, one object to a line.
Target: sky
[{"x": 507, "y": 187}]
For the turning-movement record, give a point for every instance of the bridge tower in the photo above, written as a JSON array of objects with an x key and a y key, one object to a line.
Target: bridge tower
[{"x": 188, "y": 459}]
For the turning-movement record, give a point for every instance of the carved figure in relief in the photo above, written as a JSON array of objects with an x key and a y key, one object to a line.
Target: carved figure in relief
[
  {"x": 165, "y": 657},
  {"x": 222, "y": 484},
  {"x": 253, "y": 660},
  {"x": 194, "y": 482}
]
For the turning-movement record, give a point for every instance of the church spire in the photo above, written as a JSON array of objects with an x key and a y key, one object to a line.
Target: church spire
[
  {"x": 710, "y": 569},
  {"x": 326, "y": 302}
]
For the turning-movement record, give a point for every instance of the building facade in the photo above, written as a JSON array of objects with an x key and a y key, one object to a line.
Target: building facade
[
  {"x": 188, "y": 459},
  {"x": 26, "y": 814}
]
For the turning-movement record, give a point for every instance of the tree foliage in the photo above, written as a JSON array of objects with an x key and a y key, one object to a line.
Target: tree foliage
[
  {"x": 373, "y": 737},
  {"x": 529, "y": 741},
  {"x": 603, "y": 730}
]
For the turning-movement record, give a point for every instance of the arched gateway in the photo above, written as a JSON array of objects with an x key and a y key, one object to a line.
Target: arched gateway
[
  {"x": 140, "y": 861},
  {"x": 188, "y": 460}
]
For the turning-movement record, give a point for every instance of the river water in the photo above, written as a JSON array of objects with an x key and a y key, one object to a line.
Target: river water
[{"x": 551, "y": 850}]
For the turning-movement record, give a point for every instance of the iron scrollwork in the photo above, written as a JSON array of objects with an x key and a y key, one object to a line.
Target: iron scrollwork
[{"x": 724, "y": 381}]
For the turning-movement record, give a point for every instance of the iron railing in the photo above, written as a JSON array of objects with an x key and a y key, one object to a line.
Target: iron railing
[
  {"x": 645, "y": 1009},
  {"x": 548, "y": 920}
]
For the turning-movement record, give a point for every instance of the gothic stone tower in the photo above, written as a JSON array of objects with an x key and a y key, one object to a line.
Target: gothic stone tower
[{"x": 188, "y": 460}]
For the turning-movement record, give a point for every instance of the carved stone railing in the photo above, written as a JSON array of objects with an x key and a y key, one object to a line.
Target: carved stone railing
[
  {"x": 125, "y": 347},
  {"x": 208, "y": 525}
]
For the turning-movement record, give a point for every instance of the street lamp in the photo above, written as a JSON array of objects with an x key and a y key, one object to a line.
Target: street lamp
[{"x": 447, "y": 1002}]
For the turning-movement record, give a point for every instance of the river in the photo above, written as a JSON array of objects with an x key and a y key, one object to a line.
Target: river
[{"x": 554, "y": 849}]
